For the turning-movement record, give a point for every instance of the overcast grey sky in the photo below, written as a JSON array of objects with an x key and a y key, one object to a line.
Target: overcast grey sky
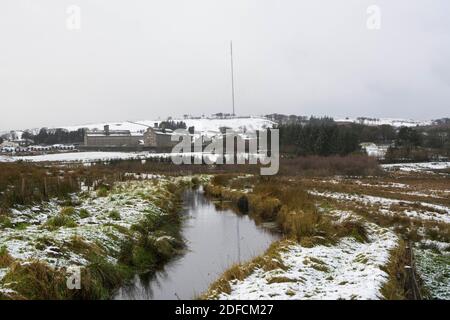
[{"x": 143, "y": 59}]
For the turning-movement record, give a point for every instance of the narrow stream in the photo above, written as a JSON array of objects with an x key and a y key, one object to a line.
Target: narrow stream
[{"x": 216, "y": 239}]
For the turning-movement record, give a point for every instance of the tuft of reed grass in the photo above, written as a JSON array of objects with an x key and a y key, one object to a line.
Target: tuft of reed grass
[
  {"x": 114, "y": 215},
  {"x": 60, "y": 221},
  {"x": 102, "y": 192},
  {"x": 395, "y": 287},
  {"x": 5, "y": 258}
]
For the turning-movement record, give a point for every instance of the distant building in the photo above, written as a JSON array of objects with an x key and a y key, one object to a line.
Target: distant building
[
  {"x": 374, "y": 150},
  {"x": 152, "y": 137}
]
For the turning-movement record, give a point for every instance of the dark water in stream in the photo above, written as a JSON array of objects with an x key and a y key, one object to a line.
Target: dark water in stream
[{"x": 216, "y": 239}]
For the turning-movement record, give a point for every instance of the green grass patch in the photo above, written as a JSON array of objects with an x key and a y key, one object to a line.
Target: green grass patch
[
  {"x": 60, "y": 221},
  {"x": 114, "y": 215},
  {"x": 102, "y": 192},
  {"x": 83, "y": 214},
  {"x": 5, "y": 222}
]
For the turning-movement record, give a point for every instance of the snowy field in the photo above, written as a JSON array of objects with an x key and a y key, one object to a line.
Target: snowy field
[
  {"x": 417, "y": 167},
  {"x": 84, "y": 157},
  {"x": 87, "y": 157},
  {"x": 389, "y": 121},
  {"x": 433, "y": 266},
  {"x": 347, "y": 270},
  {"x": 98, "y": 156},
  {"x": 427, "y": 211},
  {"x": 6, "y": 159}
]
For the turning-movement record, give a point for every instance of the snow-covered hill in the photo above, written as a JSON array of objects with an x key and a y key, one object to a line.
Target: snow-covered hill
[
  {"x": 389, "y": 121},
  {"x": 200, "y": 125},
  {"x": 238, "y": 123}
]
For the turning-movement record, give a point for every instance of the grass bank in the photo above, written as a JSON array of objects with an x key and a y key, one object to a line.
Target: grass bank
[{"x": 110, "y": 233}]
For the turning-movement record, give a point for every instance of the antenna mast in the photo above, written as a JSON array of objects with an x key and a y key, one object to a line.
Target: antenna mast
[{"x": 232, "y": 75}]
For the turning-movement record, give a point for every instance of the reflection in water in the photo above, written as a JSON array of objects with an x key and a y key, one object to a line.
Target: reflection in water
[{"x": 215, "y": 241}]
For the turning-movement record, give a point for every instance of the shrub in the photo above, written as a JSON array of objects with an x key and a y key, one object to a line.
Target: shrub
[{"x": 195, "y": 181}]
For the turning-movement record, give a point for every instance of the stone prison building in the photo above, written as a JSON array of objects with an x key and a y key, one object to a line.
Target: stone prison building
[{"x": 151, "y": 138}]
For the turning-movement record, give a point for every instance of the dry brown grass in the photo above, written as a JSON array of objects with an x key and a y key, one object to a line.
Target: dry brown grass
[
  {"x": 5, "y": 258},
  {"x": 281, "y": 280},
  {"x": 36, "y": 280},
  {"x": 378, "y": 187},
  {"x": 395, "y": 287},
  {"x": 287, "y": 202}
]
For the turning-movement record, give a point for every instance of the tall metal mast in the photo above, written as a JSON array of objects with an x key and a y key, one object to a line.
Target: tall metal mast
[{"x": 232, "y": 75}]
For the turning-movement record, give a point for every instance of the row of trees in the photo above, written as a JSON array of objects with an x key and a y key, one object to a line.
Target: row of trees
[
  {"x": 172, "y": 125},
  {"x": 420, "y": 144},
  {"x": 57, "y": 136},
  {"x": 318, "y": 137},
  {"x": 324, "y": 137}
]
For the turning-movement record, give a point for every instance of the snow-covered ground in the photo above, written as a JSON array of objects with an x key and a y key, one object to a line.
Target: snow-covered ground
[
  {"x": 6, "y": 159},
  {"x": 417, "y": 167},
  {"x": 126, "y": 198},
  {"x": 84, "y": 156},
  {"x": 347, "y": 270},
  {"x": 93, "y": 223},
  {"x": 433, "y": 268},
  {"x": 88, "y": 157},
  {"x": 388, "y": 121},
  {"x": 428, "y": 211}
]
